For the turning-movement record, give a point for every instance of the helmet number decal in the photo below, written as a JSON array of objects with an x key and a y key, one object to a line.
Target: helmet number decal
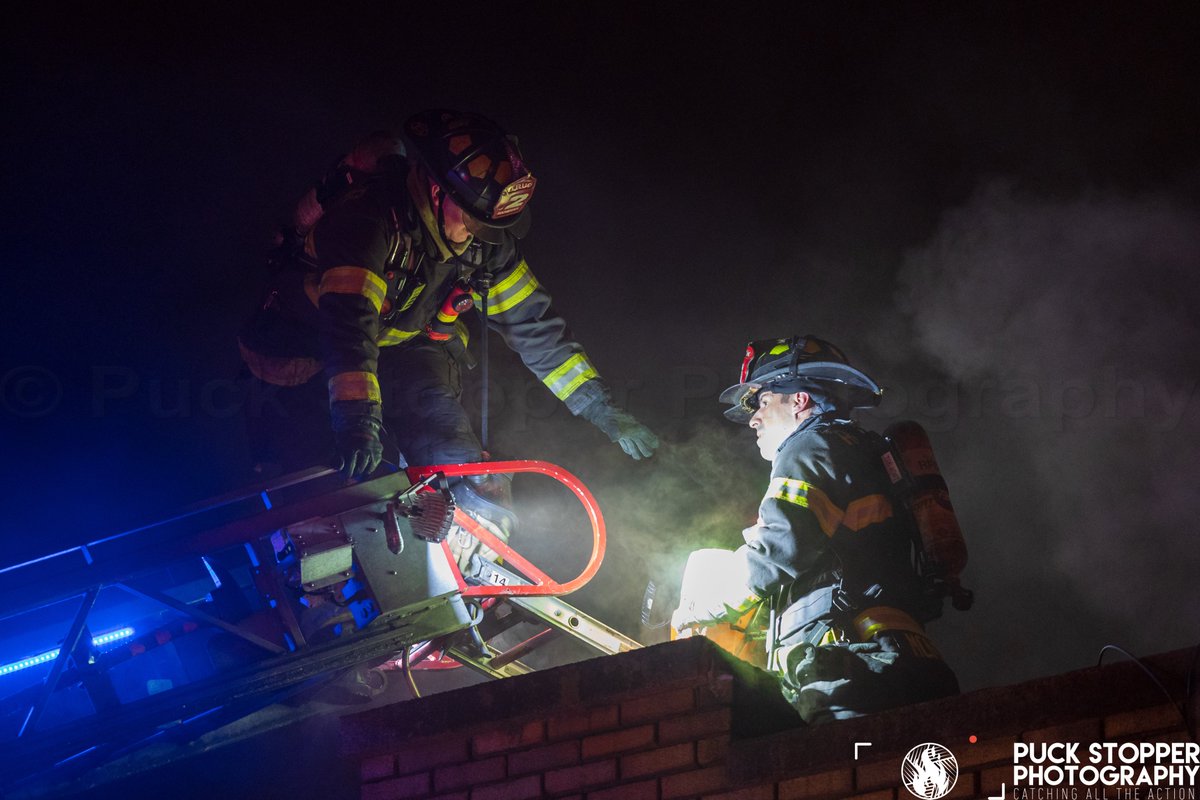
[{"x": 514, "y": 197}]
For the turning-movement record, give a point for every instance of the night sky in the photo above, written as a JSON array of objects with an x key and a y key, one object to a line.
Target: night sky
[{"x": 991, "y": 207}]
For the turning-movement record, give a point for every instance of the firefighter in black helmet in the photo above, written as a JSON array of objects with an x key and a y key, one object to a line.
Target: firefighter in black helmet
[
  {"x": 362, "y": 328},
  {"x": 830, "y": 551}
]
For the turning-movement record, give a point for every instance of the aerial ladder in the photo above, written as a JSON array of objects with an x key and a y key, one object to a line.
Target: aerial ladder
[{"x": 218, "y": 623}]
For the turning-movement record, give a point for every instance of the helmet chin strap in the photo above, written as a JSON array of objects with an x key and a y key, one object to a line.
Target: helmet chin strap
[
  {"x": 441, "y": 219},
  {"x": 456, "y": 258},
  {"x": 481, "y": 280},
  {"x": 432, "y": 221},
  {"x": 441, "y": 222}
]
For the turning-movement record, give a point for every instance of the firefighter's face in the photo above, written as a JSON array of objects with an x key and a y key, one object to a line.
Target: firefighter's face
[
  {"x": 777, "y": 416},
  {"x": 454, "y": 224}
]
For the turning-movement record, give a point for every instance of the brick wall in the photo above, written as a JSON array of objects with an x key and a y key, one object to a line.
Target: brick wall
[{"x": 684, "y": 720}]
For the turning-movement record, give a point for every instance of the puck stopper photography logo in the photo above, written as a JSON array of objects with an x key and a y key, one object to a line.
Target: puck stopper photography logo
[{"x": 929, "y": 771}]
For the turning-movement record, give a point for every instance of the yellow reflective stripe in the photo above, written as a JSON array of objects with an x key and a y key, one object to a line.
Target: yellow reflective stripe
[
  {"x": 449, "y": 319},
  {"x": 511, "y": 279},
  {"x": 512, "y": 290},
  {"x": 859, "y": 514},
  {"x": 412, "y": 298},
  {"x": 867, "y": 511},
  {"x": 829, "y": 516},
  {"x": 513, "y": 300},
  {"x": 791, "y": 490},
  {"x": 354, "y": 386},
  {"x": 392, "y": 336},
  {"x": 830, "y": 637},
  {"x": 885, "y": 618},
  {"x": 354, "y": 280},
  {"x": 921, "y": 645},
  {"x": 573, "y": 373},
  {"x": 778, "y": 349}
]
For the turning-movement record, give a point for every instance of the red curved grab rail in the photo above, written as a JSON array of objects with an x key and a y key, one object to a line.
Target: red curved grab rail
[{"x": 542, "y": 584}]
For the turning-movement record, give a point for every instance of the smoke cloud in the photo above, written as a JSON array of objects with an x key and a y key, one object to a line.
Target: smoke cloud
[
  {"x": 699, "y": 490},
  {"x": 1044, "y": 344},
  {"x": 1062, "y": 334}
]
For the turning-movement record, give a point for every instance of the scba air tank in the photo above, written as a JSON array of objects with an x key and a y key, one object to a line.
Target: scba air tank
[{"x": 942, "y": 542}]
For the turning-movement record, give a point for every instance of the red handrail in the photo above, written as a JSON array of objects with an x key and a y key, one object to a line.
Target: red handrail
[{"x": 542, "y": 584}]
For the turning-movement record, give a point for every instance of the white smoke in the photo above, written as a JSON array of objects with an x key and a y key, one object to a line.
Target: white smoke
[
  {"x": 1067, "y": 332},
  {"x": 700, "y": 489},
  {"x": 1050, "y": 348}
]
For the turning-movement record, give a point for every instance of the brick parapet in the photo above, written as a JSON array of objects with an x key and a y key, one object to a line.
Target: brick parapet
[
  {"x": 579, "y": 697},
  {"x": 685, "y": 720}
]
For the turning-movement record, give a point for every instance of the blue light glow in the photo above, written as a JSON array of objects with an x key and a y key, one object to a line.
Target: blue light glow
[
  {"x": 111, "y": 636},
  {"x": 50, "y": 655},
  {"x": 211, "y": 573},
  {"x": 32, "y": 661}
]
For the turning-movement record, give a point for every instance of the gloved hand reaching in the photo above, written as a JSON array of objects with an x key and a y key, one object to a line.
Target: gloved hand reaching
[
  {"x": 356, "y": 427},
  {"x": 635, "y": 439}
]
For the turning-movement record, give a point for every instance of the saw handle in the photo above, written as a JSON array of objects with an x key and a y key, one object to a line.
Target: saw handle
[{"x": 542, "y": 585}]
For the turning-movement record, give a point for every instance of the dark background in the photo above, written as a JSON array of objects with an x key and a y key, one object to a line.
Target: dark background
[{"x": 991, "y": 207}]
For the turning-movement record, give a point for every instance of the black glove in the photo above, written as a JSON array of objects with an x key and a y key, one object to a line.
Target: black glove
[
  {"x": 635, "y": 439},
  {"x": 356, "y": 427}
]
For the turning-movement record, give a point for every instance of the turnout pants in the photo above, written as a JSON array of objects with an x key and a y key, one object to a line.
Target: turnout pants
[
  {"x": 421, "y": 385},
  {"x": 830, "y": 679}
]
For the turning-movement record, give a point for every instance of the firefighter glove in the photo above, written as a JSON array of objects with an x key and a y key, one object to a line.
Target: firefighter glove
[
  {"x": 635, "y": 439},
  {"x": 356, "y": 427},
  {"x": 714, "y": 589}
]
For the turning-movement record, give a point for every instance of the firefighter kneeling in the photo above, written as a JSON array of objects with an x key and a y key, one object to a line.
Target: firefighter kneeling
[{"x": 832, "y": 552}]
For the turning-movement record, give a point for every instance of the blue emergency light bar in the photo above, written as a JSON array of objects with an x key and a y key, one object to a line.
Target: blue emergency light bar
[{"x": 50, "y": 655}]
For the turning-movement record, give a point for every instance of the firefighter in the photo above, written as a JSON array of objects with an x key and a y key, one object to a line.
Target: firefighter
[
  {"x": 362, "y": 329},
  {"x": 831, "y": 551}
]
